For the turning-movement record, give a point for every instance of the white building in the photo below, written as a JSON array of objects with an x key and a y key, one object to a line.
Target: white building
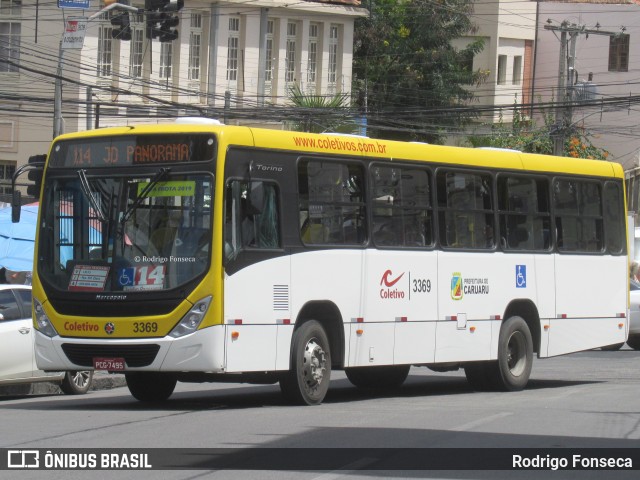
[{"x": 247, "y": 53}]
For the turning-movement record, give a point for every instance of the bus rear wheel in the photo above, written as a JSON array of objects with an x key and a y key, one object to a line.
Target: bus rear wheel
[
  {"x": 307, "y": 381},
  {"x": 515, "y": 355},
  {"x": 386, "y": 377},
  {"x": 634, "y": 341},
  {"x": 150, "y": 386},
  {"x": 515, "y": 358}
]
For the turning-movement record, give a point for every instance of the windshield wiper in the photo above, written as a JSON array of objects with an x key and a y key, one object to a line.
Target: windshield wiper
[
  {"x": 86, "y": 189},
  {"x": 163, "y": 172}
]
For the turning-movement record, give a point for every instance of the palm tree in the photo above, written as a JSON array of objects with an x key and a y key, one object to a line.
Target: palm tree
[{"x": 320, "y": 113}]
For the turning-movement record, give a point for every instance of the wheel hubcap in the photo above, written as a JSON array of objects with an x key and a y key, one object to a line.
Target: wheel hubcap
[
  {"x": 315, "y": 364},
  {"x": 516, "y": 353},
  {"x": 81, "y": 379}
]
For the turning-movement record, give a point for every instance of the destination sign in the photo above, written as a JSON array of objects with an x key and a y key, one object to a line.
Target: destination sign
[{"x": 129, "y": 150}]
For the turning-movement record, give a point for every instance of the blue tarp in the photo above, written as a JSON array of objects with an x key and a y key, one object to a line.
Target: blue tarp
[{"x": 17, "y": 239}]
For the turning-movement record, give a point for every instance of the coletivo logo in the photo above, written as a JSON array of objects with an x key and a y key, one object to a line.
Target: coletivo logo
[
  {"x": 80, "y": 327},
  {"x": 109, "y": 328},
  {"x": 388, "y": 282}
]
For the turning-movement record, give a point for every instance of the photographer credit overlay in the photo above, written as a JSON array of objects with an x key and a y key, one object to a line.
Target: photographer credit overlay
[{"x": 319, "y": 459}]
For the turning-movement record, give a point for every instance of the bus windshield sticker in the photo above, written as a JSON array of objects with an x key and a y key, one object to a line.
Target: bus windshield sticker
[
  {"x": 147, "y": 277},
  {"x": 183, "y": 188},
  {"x": 88, "y": 278}
]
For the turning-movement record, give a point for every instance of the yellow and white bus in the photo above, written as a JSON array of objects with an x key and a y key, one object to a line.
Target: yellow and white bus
[{"x": 199, "y": 252}]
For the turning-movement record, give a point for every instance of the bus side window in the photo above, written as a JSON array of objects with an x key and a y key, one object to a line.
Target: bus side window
[
  {"x": 523, "y": 212},
  {"x": 613, "y": 218},
  {"x": 252, "y": 218},
  {"x": 578, "y": 210},
  {"x": 466, "y": 210},
  {"x": 331, "y": 202},
  {"x": 401, "y": 206}
]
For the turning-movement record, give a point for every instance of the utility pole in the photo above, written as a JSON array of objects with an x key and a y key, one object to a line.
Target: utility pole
[
  {"x": 57, "y": 96},
  {"x": 262, "y": 55},
  {"x": 567, "y": 77}
]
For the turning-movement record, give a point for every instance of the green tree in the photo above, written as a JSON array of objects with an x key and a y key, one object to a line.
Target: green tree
[
  {"x": 524, "y": 135},
  {"x": 407, "y": 71}
]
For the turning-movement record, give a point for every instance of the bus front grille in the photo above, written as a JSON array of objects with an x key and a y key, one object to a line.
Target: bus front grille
[{"x": 134, "y": 355}]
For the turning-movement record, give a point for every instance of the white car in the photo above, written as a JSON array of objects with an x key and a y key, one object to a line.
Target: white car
[
  {"x": 17, "y": 359},
  {"x": 634, "y": 315}
]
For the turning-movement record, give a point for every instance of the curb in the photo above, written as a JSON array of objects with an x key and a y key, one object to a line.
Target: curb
[
  {"x": 101, "y": 381},
  {"x": 107, "y": 381}
]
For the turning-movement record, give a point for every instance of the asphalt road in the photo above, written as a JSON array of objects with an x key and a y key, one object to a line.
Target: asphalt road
[{"x": 589, "y": 400}]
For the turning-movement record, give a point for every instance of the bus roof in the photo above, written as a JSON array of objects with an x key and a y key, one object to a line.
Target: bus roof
[{"x": 360, "y": 146}]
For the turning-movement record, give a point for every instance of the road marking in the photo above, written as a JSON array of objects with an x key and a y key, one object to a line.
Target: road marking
[
  {"x": 349, "y": 468},
  {"x": 634, "y": 434},
  {"x": 481, "y": 421}
]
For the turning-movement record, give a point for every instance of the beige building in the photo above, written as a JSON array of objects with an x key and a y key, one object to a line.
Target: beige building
[
  {"x": 508, "y": 30},
  {"x": 245, "y": 54}
]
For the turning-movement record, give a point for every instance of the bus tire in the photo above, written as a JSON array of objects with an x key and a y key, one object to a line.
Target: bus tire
[
  {"x": 307, "y": 381},
  {"x": 634, "y": 341},
  {"x": 386, "y": 377},
  {"x": 515, "y": 355},
  {"x": 150, "y": 386},
  {"x": 76, "y": 383},
  {"x": 612, "y": 348}
]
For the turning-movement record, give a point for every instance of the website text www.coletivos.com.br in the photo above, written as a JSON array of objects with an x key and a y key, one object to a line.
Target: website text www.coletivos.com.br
[{"x": 340, "y": 144}]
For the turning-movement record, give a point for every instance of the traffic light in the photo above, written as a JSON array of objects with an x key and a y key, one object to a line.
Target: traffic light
[
  {"x": 121, "y": 26},
  {"x": 36, "y": 164},
  {"x": 164, "y": 5},
  {"x": 167, "y": 31},
  {"x": 160, "y": 21}
]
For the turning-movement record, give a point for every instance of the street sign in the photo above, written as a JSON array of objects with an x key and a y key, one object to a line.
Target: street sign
[
  {"x": 84, "y": 4},
  {"x": 74, "y": 30}
]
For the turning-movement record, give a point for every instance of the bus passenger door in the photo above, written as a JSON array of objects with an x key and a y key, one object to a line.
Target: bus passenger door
[{"x": 257, "y": 280}]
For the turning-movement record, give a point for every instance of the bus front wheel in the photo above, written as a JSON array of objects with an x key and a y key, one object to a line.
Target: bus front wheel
[
  {"x": 307, "y": 381},
  {"x": 150, "y": 386}
]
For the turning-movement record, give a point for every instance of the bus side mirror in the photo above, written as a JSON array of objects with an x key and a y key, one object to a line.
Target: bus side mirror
[
  {"x": 35, "y": 167},
  {"x": 36, "y": 170},
  {"x": 16, "y": 204}
]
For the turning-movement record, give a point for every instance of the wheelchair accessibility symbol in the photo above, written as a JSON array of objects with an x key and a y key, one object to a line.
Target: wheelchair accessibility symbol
[
  {"x": 521, "y": 276},
  {"x": 126, "y": 276}
]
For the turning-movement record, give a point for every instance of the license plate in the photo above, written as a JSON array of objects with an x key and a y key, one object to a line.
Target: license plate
[{"x": 110, "y": 364}]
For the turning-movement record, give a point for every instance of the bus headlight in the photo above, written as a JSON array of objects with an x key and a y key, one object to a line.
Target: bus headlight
[
  {"x": 41, "y": 321},
  {"x": 191, "y": 321}
]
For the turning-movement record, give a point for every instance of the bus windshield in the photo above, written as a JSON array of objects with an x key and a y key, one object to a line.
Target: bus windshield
[{"x": 106, "y": 233}]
